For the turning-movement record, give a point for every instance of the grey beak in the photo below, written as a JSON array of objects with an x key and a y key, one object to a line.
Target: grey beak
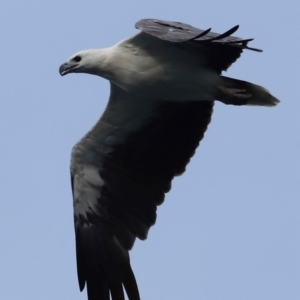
[
  {"x": 67, "y": 68},
  {"x": 63, "y": 69}
]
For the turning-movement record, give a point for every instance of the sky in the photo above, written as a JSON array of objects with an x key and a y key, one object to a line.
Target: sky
[{"x": 229, "y": 228}]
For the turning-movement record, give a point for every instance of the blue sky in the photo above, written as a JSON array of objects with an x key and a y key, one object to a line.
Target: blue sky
[{"x": 229, "y": 229}]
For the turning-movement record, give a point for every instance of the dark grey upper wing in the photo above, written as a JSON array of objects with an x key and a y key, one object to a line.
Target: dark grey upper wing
[
  {"x": 120, "y": 172},
  {"x": 181, "y": 32},
  {"x": 220, "y": 50}
]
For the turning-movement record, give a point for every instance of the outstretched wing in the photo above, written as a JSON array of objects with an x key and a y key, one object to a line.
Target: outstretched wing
[
  {"x": 121, "y": 171},
  {"x": 181, "y": 32},
  {"x": 221, "y": 49}
]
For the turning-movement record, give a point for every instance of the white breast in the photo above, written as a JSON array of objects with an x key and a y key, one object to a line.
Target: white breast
[{"x": 147, "y": 66}]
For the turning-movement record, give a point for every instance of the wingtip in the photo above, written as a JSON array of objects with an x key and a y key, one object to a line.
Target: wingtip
[
  {"x": 235, "y": 28},
  {"x": 130, "y": 284},
  {"x": 231, "y": 31},
  {"x": 201, "y": 34}
]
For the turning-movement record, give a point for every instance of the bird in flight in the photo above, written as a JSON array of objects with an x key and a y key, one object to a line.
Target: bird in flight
[{"x": 164, "y": 81}]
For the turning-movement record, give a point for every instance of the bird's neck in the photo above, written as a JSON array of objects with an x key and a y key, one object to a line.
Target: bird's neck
[{"x": 101, "y": 63}]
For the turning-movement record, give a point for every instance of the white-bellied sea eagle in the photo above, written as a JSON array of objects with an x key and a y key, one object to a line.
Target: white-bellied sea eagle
[{"x": 164, "y": 81}]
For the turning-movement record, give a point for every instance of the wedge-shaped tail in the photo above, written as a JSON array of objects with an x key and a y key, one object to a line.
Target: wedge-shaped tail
[{"x": 238, "y": 92}]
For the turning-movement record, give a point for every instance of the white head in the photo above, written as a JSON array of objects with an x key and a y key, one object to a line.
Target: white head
[{"x": 88, "y": 61}]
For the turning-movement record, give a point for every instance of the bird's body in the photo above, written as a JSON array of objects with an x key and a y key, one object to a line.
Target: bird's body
[{"x": 164, "y": 81}]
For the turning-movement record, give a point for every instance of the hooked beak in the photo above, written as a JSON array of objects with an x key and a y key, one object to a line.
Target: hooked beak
[{"x": 67, "y": 68}]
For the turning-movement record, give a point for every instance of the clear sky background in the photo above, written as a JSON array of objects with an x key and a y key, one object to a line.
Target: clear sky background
[{"x": 229, "y": 229}]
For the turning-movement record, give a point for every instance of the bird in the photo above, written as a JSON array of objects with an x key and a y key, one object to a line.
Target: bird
[{"x": 164, "y": 81}]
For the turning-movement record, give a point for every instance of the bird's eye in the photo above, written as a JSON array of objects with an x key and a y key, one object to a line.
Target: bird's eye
[{"x": 77, "y": 58}]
